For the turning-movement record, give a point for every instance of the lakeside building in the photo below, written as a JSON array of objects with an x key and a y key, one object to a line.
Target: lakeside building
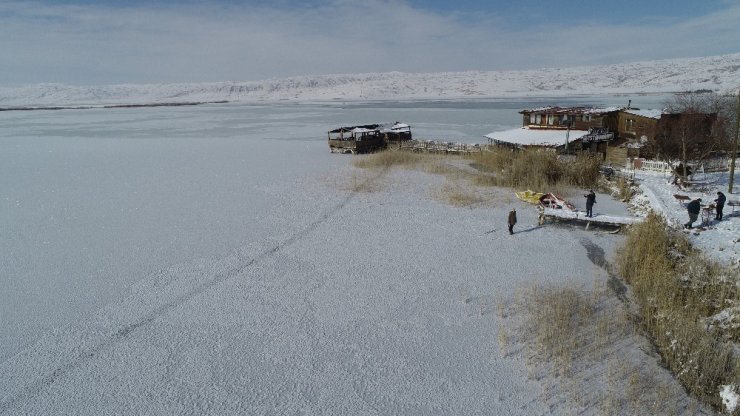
[{"x": 617, "y": 133}]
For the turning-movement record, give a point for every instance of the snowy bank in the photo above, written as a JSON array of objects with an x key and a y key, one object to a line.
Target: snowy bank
[
  {"x": 717, "y": 73},
  {"x": 718, "y": 239}
]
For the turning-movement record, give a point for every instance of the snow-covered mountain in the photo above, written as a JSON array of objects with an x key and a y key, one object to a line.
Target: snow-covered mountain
[{"x": 717, "y": 73}]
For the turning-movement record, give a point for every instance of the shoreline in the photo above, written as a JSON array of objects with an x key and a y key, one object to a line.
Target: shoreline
[{"x": 88, "y": 107}]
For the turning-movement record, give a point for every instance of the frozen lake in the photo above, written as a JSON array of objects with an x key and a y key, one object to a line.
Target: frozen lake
[
  {"x": 223, "y": 229},
  {"x": 92, "y": 200}
]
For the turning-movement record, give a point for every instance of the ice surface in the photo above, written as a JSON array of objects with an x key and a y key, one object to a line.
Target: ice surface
[{"x": 215, "y": 260}]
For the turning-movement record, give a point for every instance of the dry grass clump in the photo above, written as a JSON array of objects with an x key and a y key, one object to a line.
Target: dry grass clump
[
  {"x": 584, "y": 348},
  {"x": 557, "y": 321},
  {"x": 386, "y": 159},
  {"x": 583, "y": 171},
  {"x": 381, "y": 162},
  {"x": 566, "y": 323},
  {"x": 497, "y": 167},
  {"x": 624, "y": 187},
  {"x": 534, "y": 169},
  {"x": 459, "y": 196},
  {"x": 363, "y": 184},
  {"x": 432, "y": 163},
  {"x": 678, "y": 290}
]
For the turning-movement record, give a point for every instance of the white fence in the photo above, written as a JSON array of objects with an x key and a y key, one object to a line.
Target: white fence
[
  {"x": 716, "y": 165},
  {"x": 709, "y": 165},
  {"x": 632, "y": 166}
]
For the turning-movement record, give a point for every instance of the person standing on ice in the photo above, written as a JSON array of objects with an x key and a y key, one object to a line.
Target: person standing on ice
[
  {"x": 721, "y": 198},
  {"x": 512, "y": 220},
  {"x": 693, "y": 208},
  {"x": 590, "y": 201}
]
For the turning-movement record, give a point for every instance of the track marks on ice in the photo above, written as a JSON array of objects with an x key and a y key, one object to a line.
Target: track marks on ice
[{"x": 28, "y": 386}]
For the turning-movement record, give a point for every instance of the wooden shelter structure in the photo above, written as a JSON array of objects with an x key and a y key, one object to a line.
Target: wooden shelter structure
[
  {"x": 356, "y": 139},
  {"x": 367, "y": 137},
  {"x": 396, "y": 133}
]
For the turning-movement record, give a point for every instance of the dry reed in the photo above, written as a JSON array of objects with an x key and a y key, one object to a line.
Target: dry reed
[
  {"x": 526, "y": 169},
  {"x": 678, "y": 290}
]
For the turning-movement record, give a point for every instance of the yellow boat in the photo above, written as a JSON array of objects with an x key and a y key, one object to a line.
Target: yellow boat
[{"x": 529, "y": 196}]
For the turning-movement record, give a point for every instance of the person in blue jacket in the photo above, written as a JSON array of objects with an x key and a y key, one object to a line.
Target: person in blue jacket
[
  {"x": 720, "y": 204},
  {"x": 694, "y": 207}
]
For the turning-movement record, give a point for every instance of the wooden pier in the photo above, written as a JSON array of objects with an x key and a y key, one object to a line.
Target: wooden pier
[{"x": 580, "y": 217}]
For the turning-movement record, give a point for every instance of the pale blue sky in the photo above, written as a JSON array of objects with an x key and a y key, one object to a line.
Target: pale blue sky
[{"x": 143, "y": 41}]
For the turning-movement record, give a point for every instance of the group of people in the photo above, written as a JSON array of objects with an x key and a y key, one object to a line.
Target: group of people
[
  {"x": 590, "y": 201},
  {"x": 694, "y": 208}
]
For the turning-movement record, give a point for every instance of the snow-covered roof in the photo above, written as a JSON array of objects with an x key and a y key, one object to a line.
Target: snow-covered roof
[
  {"x": 400, "y": 126},
  {"x": 366, "y": 128},
  {"x": 603, "y": 110},
  {"x": 524, "y": 136},
  {"x": 572, "y": 110},
  {"x": 645, "y": 113}
]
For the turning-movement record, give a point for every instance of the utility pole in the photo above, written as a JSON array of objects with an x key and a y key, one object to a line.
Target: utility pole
[{"x": 734, "y": 147}]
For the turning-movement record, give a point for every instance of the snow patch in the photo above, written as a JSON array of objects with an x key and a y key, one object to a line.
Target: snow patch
[{"x": 729, "y": 397}]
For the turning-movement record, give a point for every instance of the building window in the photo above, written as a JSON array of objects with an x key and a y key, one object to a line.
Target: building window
[
  {"x": 630, "y": 125},
  {"x": 550, "y": 119}
]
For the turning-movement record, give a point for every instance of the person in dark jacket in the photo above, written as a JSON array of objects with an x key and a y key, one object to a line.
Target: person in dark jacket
[
  {"x": 720, "y": 204},
  {"x": 512, "y": 220},
  {"x": 693, "y": 208},
  {"x": 590, "y": 201}
]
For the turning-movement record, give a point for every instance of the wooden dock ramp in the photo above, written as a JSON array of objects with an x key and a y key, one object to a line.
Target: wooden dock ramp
[{"x": 579, "y": 217}]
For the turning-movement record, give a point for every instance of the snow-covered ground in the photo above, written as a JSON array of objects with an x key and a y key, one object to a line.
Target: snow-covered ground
[
  {"x": 219, "y": 260},
  {"x": 719, "y": 239},
  {"x": 717, "y": 73}
]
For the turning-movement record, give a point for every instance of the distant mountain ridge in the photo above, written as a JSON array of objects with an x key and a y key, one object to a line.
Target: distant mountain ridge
[{"x": 715, "y": 73}]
